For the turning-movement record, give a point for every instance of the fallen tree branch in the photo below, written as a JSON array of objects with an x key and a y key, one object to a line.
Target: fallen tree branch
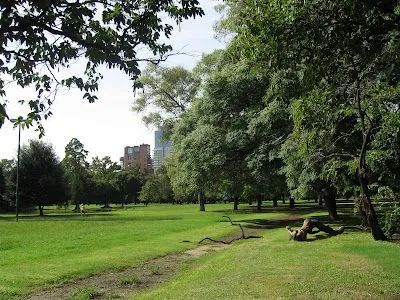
[
  {"x": 244, "y": 237},
  {"x": 310, "y": 224}
]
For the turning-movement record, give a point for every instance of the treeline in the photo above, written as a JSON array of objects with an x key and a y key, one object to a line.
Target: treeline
[
  {"x": 305, "y": 100},
  {"x": 45, "y": 180}
]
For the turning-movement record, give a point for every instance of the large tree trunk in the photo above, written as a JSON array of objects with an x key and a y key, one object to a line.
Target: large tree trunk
[
  {"x": 291, "y": 202},
  {"x": 367, "y": 209},
  {"x": 235, "y": 202},
  {"x": 365, "y": 199},
  {"x": 329, "y": 195},
  {"x": 307, "y": 228},
  {"x": 201, "y": 201},
  {"x": 76, "y": 206},
  {"x": 41, "y": 208},
  {"x": 320, "y": 202},
  {"x": 275, "y": 201},
  {"x": 259, "y": 202}
]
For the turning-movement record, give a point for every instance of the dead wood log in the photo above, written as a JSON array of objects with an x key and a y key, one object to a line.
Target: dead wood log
[
  {"x": 307, "y": 228},
  {"x": 244, "y": 237}
]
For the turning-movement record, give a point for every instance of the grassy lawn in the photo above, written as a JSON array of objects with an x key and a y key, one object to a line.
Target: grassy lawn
[
  {"x": 39, "y": 252},
  {"x": 350, "y": 266}
]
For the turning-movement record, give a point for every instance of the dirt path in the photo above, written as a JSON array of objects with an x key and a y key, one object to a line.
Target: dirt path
[
  {"x": 130, "y": 281},
  {"x": 121, "y": 284}
]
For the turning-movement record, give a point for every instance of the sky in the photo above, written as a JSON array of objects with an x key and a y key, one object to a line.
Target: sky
[{"x": 108, "y": 125}]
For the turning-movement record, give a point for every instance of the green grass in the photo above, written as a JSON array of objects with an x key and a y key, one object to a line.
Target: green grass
[
  {"x": 85, "y": 293},
  {"x": 350, "y": 266},
  {"x": 40, "y": 252},
  {"x": 130, "y": 279}
]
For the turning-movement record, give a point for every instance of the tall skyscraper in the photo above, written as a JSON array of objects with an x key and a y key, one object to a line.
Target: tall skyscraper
[{"x": 161, "y": 149}]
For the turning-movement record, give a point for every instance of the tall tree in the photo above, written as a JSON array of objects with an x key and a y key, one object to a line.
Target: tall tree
[
  {"x": 76, "y": 170},
  {"x": 103, "y": 172},
  {"x": 40, "y": 176},
  {"x": 167, "y": 93},
  {"x": 128, "y": 183},
  {"x": 2, "y": 187},
  {"x": 54, "y": 34},
  {"x": 346, "y": 48},
  {"x": 157, "y": 188},
  {"x": 7, "y": 188}
]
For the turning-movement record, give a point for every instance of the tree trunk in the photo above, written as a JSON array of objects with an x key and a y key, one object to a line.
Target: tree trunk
[
  {"x": 291, "y": 202},
  {"x": 259, "y": 202},
  {"x": 329, "y": 195},
  {"x": 320, "y": 203},
  {"x": 275, "y": 201},
  {"x": 41, "y": 208},
  {"x": 365, "y": 199},
  {"x": 200, "y": 199},
  {"x": 283, "y": 198},
  {"x": 235, "y": 202},
  {"x": 76, "y": 206},
  {"x": 367, "y": 209},
  {"x": 363, "y": 215},
  {"x": 307, "y": 228}
]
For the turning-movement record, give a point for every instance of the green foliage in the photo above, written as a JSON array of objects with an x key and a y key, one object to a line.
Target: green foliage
[
  {"x": 51, "y": 35},
  {"x": 130, "y": 279},
  {"x": 103, "y": 172},
  {"x": 156, "y": 270},
  {"x": 2, "y": 186},
  {"x": 41, "y": 176},
  {"x": 7, "y": 184},
  {"x": 167, "y": 93},
  {"x": 85, "y": 293},
  {"x": 157, "y": 188},
  {"x": 128, "y": 183},
  {"x": 392, "y": 221},
  {"x": 76, "y": 170}
]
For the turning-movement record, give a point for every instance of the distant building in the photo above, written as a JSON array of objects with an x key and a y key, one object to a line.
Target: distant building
[
  {"x": 137, "y": 157},
  {"x": 161, "y": 149}
]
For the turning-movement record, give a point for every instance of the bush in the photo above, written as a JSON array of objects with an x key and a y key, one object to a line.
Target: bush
[{"x": 392, "y": 221}]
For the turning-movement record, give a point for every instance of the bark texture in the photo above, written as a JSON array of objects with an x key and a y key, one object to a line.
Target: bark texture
[
  {"x": 201, "y": 201},
  {"x": 329, "y": 195},
  {"x": 307, "y": 228}
]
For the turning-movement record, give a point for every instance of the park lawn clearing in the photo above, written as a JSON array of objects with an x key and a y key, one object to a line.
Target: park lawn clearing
[
  {"x": 349, "y": 266},
  {"x": 39, "y": 253},
  {"x": 135, "y": 245}
]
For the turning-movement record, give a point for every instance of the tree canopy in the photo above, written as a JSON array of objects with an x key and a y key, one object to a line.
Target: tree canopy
[
  {"x": 38, "y": 38},
  {"x": 304, "y": 96},
  {"x": 40, "y": 176}
]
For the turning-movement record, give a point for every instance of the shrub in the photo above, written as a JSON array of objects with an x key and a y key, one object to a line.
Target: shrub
[{"x": 392, "y": 221}]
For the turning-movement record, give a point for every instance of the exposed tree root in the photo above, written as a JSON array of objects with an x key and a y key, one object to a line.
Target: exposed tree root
[
  {"x": 310, "y": 224},
  {"x": 243, "y": 237}
]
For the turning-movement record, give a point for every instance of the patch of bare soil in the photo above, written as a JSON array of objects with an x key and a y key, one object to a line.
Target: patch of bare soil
[{"x": 128, "y": 282}]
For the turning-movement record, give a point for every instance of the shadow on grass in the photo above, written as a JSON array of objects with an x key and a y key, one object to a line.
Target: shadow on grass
[
  {"x": 89, "y": 217},
  {"x": 300, "y": 209},
  {"x": 317, "y": 237},
  {"x": 346, "y": 219},
  {"x": 269, "y": 224}
]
